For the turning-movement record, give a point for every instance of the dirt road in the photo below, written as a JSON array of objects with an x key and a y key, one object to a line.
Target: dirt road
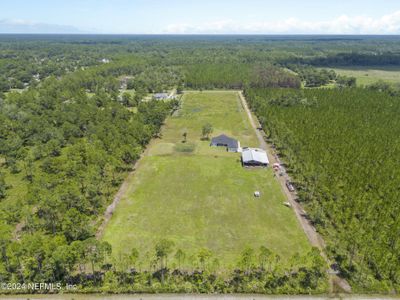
[
  {"x": 310, "y": 231},
  {"x": 110, "y": 209}
]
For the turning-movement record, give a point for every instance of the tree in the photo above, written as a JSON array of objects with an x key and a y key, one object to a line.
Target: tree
[
  {"x": 96, "y": 252},
  {"x": 138, "y": 98},
  {"x": 179, "y": 89},
  {"x": 345, "y": 81},
  {"x": 3, "y": 186},
  {"x": 184, "y": 135},
  {"x": 28, "y": 166},
  {"x": 207, "y": 130},
  {"x": 215, "y": 264},
  {"x": 126, "y": 99},
  {"x": 163, "y": 249},
  {"x": 246, "y": 261},
  {"x": 180, "y": 257},
  {"x": 12, "y": 163},
  {"x": 263, "y": 256},
  {"x": 134, "y": 257},
  {"x": 204, "y": 255},
  {"x": 79, "y": 250},
  {"x": 75, "y": 225},
  {"x": 66, "y": 257}
]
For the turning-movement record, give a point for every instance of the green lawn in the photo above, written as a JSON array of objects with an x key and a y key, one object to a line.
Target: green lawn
[
  {"x": 368, "y": 75},
  {"x": 200, "y": 196}
]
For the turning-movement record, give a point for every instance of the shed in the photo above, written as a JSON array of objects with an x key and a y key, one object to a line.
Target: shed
[{"x": 254, "y": 157}]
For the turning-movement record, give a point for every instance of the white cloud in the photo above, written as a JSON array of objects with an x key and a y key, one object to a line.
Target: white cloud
[
  {"x": 387, "y": 24},
  {"x": 27, "y": 26}
]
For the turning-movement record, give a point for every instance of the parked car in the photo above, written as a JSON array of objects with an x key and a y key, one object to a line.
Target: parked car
[{"x": 289, "y": 186}]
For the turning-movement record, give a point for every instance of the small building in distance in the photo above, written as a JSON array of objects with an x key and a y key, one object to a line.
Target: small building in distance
[
  {"x": 254, "y": 157},
  {"x": 161, "y": 96},
  {"x": 222, "y": 140}
]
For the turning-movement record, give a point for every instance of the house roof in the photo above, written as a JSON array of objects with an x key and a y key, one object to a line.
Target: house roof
[
  {"x": 254, "y": 155},
  {"x": 160, "y": 95},
  {"x": 225, "y": 140}
]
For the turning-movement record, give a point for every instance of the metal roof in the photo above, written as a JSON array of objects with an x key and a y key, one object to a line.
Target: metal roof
[
  {"x": 224, "y": 140},
  {"x": 161, "y": 95},
  {"x": 250, "y": 155}
]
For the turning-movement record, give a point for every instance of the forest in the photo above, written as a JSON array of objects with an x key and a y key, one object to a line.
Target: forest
[
  {"x": 345, "y": 174},
  {"x": 76, "y": 114},
  {"x": 69, "y": 153}
]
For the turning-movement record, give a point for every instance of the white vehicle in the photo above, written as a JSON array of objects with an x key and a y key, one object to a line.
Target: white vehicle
[{"x": 290, "y": 186}]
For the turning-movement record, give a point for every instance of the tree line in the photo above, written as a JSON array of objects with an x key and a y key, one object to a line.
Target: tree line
[
  {"x": 355, "y": 58},
  {"x": 91, "y": 266}
]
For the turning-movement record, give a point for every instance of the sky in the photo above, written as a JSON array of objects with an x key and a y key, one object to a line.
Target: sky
[{"x": 201, "y": 17}]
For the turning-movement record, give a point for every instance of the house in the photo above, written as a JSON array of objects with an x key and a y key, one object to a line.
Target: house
[
  {"x": 254, "y": 157},
  {"x": 160, "y": 96},
  {"x": 222, "y": 140}
]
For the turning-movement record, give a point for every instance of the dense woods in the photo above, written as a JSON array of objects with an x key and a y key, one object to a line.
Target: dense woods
[
  {"x": 233, "y": 76},
  {"x": 70, "y": 152},
  {"x": 342, "y": 148}
]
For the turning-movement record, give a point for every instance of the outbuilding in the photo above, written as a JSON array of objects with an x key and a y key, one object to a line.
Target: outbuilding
[
  {"x": 222, "y": 140},
  {"x": 254, "y": 157}
]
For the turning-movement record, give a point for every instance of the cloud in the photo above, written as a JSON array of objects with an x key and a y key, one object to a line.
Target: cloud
[
  {"x": 387, "y": 24},
  {"x": 26, "y": 26}
]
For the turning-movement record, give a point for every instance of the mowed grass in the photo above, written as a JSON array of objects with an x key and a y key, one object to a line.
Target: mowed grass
[
  {"x": 369, "y": 75},
  {"x": 200, "y": 196}
]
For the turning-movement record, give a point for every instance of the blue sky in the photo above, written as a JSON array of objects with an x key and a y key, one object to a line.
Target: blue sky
[{"x": 205, "y": 16}]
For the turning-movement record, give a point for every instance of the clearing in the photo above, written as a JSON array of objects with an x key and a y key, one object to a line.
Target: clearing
[
  {"x": 200, "y": 196},
  {"x": 369, "y": 75}
]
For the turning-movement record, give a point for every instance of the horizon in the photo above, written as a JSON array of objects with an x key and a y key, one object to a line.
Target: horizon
[{"x": 207, "y": 34}]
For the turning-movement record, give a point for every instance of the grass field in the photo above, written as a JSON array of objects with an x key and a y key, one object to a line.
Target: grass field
[
  {"x": 200, "y": 196},
  {"x": 368, "y": 75}
]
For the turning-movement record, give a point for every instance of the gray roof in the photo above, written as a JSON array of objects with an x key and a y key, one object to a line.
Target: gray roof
[
  {"x": 224, "y": 141},
  {"x": 254, "y": 155}
]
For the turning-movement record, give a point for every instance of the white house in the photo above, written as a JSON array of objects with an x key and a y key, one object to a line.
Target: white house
[{"x": 161, "y": 96}]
